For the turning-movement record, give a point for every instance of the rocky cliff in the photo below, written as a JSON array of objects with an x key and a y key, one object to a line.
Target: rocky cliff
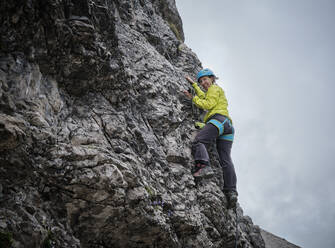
[{"x": 95, "y": 133}]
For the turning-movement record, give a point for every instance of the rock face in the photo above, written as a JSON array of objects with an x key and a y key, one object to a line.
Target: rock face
[
  {"x": 95, "y": 132},
  {"x": 274, "y": 241}
]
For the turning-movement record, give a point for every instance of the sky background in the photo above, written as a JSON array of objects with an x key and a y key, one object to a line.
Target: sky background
[{"x": 275, "y": 60}]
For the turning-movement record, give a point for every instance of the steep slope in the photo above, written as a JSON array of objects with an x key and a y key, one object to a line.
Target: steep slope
[
  {"x": 95, "y": 133},
  {"x": 273, "y": 241}
]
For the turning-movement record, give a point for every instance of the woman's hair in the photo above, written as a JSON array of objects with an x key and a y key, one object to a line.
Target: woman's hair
[{"x": 214, "y": 78}]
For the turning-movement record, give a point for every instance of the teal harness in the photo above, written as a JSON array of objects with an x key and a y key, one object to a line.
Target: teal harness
[{"x": 220, "y": 127}]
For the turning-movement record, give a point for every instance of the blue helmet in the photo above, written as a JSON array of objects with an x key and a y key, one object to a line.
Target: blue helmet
[{"x": 205, "y": 72}]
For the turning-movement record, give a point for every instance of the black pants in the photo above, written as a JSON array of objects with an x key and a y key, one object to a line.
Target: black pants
[{"x": 208, "y": 135}]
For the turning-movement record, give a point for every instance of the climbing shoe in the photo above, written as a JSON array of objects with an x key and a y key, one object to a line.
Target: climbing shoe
[
  {"x": 202, "y": 171},
  {"x": 232, "y": 198}
]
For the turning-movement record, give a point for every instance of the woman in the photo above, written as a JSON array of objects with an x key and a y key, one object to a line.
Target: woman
[{"x": 218, "y": 127}]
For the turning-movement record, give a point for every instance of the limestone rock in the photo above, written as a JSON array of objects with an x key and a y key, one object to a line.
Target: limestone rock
[{"x": 273, "y": 241}]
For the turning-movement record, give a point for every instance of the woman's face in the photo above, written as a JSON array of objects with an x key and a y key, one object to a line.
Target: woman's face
[{"x": 205, "y": 82}]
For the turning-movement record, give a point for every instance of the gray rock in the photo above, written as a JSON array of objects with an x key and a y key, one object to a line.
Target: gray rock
[{"x": 273, "y": 241}]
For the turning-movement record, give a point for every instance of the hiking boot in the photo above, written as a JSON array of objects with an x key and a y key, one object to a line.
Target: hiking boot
[
  {"x": 202, "y": 171},
  {"x": 232, "y": 198}
]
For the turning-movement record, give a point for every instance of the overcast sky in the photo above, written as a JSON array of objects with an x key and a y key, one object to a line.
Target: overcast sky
[{"x": 276, "y": 62}]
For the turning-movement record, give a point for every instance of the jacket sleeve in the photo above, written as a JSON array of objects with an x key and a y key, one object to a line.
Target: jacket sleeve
[
  {"x": 210, "y": 100},
  {"x": 198, "y": 91}
]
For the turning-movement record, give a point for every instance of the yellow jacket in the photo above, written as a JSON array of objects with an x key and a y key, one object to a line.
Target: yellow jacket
[{"x": 214, "y": 101}]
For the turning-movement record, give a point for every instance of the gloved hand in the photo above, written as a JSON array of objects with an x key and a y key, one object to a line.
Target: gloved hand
[{"x": 199, "y": 125}]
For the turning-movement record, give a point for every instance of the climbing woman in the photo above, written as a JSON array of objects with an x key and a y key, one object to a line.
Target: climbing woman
[{"x": 217, "y": 127}]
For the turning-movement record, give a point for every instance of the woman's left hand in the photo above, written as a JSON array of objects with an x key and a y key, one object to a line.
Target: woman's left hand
[
  {"x": 188, "y": 94},
  {"x": 190, "y": 80}
]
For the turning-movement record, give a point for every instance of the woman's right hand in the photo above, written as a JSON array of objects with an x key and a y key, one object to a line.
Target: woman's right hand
[{"x": 188, "y": 94}]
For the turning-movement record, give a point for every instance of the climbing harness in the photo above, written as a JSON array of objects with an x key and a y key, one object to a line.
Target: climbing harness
[{"x": 220, "y": 126}]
